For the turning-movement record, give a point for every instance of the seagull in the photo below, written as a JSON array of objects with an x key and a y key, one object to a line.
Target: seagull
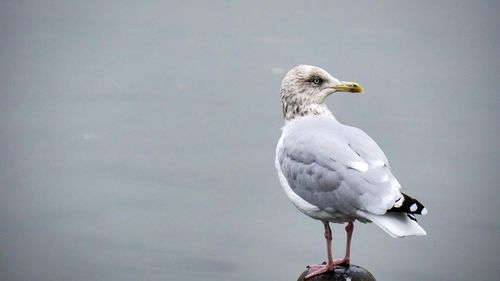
[{"x": 333, "y": 172}]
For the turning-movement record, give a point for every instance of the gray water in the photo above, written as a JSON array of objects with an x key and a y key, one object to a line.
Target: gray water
[{"x": 137, "y": 137}]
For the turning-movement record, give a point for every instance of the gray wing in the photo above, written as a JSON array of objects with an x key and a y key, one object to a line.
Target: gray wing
[{"x": 337, "y": 168}]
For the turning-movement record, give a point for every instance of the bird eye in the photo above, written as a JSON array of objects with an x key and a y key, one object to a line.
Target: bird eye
[{"x": 317, "y": 81}]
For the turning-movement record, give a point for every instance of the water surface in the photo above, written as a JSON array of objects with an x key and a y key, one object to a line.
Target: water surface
[{"x": 137, "y": 139}]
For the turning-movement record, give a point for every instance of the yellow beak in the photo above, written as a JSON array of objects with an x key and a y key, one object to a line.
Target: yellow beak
[{"x": 350, "y": 87}]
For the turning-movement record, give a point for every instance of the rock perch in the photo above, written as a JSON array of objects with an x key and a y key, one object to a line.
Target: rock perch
[{"x": 341, "y": 273}]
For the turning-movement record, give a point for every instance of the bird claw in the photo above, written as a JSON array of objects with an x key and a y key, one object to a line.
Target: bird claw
[
  {"x": 344, "y": 261},
  {"x": 317, "y": 269}
]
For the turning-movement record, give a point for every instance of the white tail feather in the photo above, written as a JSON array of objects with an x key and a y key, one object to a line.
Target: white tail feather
[{"x": 396, "y": 225}]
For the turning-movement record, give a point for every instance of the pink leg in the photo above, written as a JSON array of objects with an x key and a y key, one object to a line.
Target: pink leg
[
  {"x": 347, "y": 259},
  {"x": 330, "y": 264},
  {"x": 349, "y": 229}
]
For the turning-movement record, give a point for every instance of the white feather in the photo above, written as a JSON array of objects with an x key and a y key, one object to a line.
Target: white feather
[
  {"x": 397, "y": 225},
  {"x": 360, "y": 166}
]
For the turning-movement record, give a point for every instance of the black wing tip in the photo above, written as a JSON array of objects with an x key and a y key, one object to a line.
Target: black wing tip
[{"x": 410, "y": 206}]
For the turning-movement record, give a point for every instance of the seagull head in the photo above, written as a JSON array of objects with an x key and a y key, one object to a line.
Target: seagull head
[{"x": 305, "y": 88}]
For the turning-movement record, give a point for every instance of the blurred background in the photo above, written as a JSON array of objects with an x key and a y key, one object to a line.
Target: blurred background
[{"x": 137, "y": 137}]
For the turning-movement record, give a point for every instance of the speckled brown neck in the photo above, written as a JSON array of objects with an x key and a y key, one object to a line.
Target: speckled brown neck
[{"x": 297, "y": 106}]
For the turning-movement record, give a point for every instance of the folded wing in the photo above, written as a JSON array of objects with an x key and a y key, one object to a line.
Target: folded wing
[{"x": 340, "y": 169}]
